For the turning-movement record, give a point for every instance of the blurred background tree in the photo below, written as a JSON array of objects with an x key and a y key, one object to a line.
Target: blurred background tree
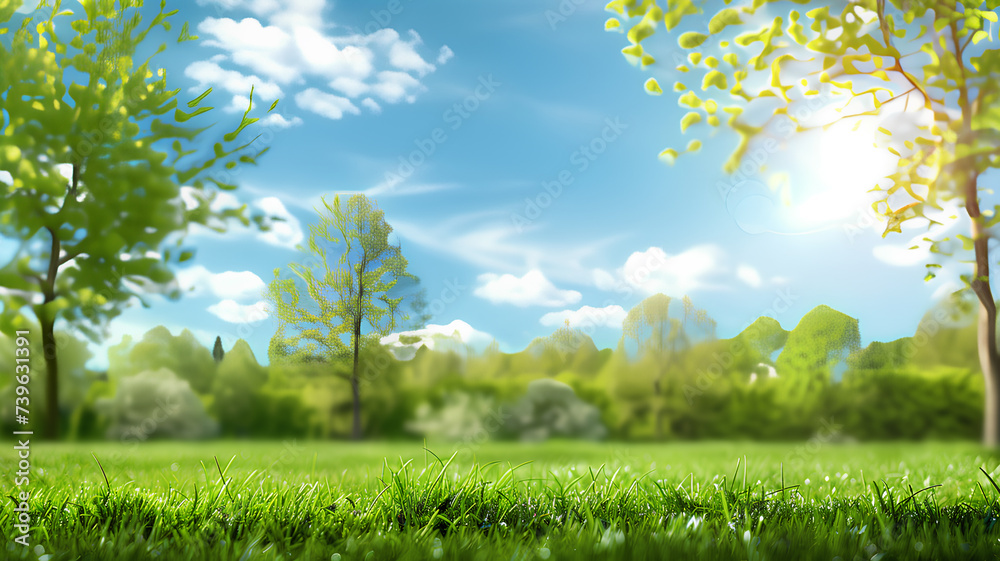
[{"x": 93, "y": 198}]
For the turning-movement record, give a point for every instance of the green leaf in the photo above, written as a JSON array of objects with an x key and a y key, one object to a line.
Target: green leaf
[
  {"x": 691, "y": 118},
  {"x": 194, "y": 102},
  {"x": 691, "y": 39},
  {"x": 722, "y": 19}
]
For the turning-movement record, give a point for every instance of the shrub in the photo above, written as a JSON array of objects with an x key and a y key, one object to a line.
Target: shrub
[
  {"x": 156, "y": 404},
  {"x": 552, "y": 409}
]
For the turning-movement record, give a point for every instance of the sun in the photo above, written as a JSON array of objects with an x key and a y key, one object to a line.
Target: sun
[{"x": 849, "y": 166}]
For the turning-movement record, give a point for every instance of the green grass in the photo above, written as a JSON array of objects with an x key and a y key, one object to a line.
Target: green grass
[{"x": 331, "y": 500}]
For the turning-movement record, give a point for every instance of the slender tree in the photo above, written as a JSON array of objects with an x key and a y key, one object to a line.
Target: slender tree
[
  {"x": 664, "y": 339},
  {"x": 345, "y": 297},
  {"x": 930, "y": 64},
  {"x": 217, "y": 351},
  {"x": 87, "y": 187}
]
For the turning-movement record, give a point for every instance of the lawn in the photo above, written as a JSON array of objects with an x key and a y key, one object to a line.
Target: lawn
[{"x": 562, "y": 500}]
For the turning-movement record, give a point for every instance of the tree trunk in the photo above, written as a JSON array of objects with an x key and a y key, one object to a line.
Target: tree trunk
[
  {"x": 990, "y": 364},
  {"x": 49, "y": 336},
  {"x": 51, "y": 378},
  {"x": 356, "y": 396},
  {"x": 355, "y": 386},
  {"x": 986, "y": 339}
]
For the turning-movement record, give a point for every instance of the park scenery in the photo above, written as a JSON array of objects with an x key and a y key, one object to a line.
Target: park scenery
[{"x": 651, "y": 279}]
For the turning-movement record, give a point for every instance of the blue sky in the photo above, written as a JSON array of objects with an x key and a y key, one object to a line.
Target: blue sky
[{"x": 462, "y": 119}]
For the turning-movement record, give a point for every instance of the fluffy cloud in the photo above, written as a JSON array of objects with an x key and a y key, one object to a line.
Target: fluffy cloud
[
  {"x": 445, "y": 54},
  {"x": 457, "y": 329},
  {"x": 268, "y": 50},
  {"x": 371, "y": 105},
  {"x": 488, "y": 240},
  {"x": 207, "y": 72},
  {"x": 533, "y": 289},
  {"x": 277, "y": 121},
  {"x": 351, "y": 87},
  {"x": 325, "y": 104},
  {"x": 286, "y": 45},
  {"x": 284, "y": 233},
  {"x": 403, "y": 55},
  {"x": 233, "y": 312},
  {"x": 749, "y": 275},
  {"x": 453, "y": 336},
  {"x": 231, "y": 285},
  {"x": 654, "y": 271},
  {"x": 701, "y": 267},
  {"x": 394, "y": 87},
  {"x": 608, "y": 316}
]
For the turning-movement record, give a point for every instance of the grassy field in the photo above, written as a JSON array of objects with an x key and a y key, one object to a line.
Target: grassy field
[{"x": 563, "y": 500}]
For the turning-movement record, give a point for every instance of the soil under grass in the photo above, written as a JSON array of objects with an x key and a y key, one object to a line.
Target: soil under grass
[{"x": 561, "y": 500}]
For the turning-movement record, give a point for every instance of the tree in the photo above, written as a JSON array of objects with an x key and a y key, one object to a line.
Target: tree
[
  {"x": 338, "y": 307},
  {"x": 918, "y": 69},
  {"x": 237, "y": 401},
  {"x": 182, "y": 354},
  {"x": 663, "y": 339},
  {"x": 92, "y": 196},
  {"x": 218, "y": 353}
]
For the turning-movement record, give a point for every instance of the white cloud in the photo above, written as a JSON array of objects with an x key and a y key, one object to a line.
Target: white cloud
[
  {"x": 264, "y": 49},
  {"x": 239, "y": 104},
  {"x": 233, "y": 312},
  {"x": 372, "y": 105},
  {"x": 351, "y": 87},
  {"x": 748, "y": 275},
  {"x": 209, "y": 73},
  {"x": 453, "y": 336},
  {"x": 278, "y": 121},
  {"x": 604, "y": 280},
  {"x": 284, "y": 233},
  {"x": 587, "y": 316},
  {"x": 325, "y": 104},
  {"x": 287, "y": 44},
  {"x": 458, "y": 329},
  {"x": 654, "y": 271},
  {"x": 394, "y": 87},
  {"x": 320, "y": 56},
  {"x": 298, "y": 14},
  {"x": 403, "y": 55},
  {"x": 232, "y": 285},
  {"x": 489, "y": 240},
  {"x": 445, "y": 54},
  {"x": 533, "y": 289}
]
